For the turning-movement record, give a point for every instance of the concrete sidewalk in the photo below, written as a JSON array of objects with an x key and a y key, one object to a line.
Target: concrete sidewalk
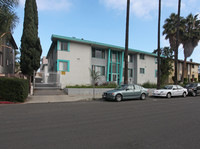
[{"x": 59, "y": 98}]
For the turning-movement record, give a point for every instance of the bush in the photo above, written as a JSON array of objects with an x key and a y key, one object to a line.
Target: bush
[
  {"x": 104, "y": 85},
  {"x": 149, "y": 85},
  {"x": 13, "y": 89}
]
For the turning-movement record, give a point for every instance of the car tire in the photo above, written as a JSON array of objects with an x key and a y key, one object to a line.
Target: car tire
[
  {"x": 184, "y": 94},
  {"x": 118, "y": 97},
  {"x": 143, "y": 96},
  {"x": 168, "y": 95},
  {"x": 194, "y": 93}
]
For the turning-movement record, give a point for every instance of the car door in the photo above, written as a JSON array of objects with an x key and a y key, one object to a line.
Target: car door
[
  {"x": 128, "y": 92},
  {"x": 174, "y": 91},
  {"x": 179, "y": 90},
  {"x": 137, "y": 91},
  {"x": 198, "y": 88}
]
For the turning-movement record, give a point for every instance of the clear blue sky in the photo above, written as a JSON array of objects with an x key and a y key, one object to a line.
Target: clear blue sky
[{"x": 104, "y": 21}]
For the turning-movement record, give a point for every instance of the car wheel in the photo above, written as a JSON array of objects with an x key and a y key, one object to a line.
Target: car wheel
[
  {"x": 184, "y": 94},
  {"x": 169, "y": 95},
  {"x": 194, "y": 93},
  {"x": 143, "y": 96},
  {"x": 118, "y": 97}
]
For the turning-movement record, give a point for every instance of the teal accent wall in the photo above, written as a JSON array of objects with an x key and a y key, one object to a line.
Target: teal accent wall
[
  {"x": 68, "y": 65},
  {"x": 108, "y": 65},
  {"x": 121, "y": 67}
]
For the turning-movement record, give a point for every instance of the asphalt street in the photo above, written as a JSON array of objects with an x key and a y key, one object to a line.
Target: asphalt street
[{"x": 151, "y": 124}]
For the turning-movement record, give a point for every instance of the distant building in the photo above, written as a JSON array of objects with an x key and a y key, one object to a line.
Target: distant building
[
  {"x": 7, "y": 55},
  {"x": 72, "y": 58},
  {"x": 192, "y": 71}
]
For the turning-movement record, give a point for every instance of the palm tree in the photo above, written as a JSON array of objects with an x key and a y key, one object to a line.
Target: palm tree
[
  {"x": 177, "y": 43},
  {"x": 190, "y": 38},
  {"x": 126, "y": 44},
  {"x": 95, "y": 76},
  {"x": 158, "y": 64},
  {"x": 170, "y": 32},
  {"x": 8, "y": 17}
]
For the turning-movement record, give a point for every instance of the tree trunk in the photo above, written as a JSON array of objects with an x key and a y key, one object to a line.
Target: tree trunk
[
  {"x": 158, "y": 61},
  {"x": 184, "y": 70},
  {"x": 177, "y": 43},
  {"x": 126, "y": 44}
]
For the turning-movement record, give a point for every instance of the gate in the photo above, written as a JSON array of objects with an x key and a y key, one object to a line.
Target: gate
[{"x": 47, "y": 80}]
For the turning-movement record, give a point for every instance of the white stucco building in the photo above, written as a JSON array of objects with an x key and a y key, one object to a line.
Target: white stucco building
[{"x": 73, "y": 58}]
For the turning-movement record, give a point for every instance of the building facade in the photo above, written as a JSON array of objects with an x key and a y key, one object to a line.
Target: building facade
[
  {"x": 7, "y": 55},
  {"x": 192, "y": 71},
  {"x": 73, "y": 59}
]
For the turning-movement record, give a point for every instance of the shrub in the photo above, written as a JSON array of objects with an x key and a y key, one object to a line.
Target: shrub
[
  {"x": 149, "y": 85},
  {"x": 104, "y": 85},
  {"x": 13, "y": 89}
]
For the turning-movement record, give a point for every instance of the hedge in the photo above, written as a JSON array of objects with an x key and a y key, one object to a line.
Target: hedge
[{"x": 14, "y": 89}]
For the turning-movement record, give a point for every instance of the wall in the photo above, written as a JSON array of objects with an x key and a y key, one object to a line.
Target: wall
[
  {"x": 150, "y": 66},
  {"x": 79, "y": 56}
]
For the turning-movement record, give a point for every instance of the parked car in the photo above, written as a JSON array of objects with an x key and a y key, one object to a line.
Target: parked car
[
  {"x": 193, "y": 89},
  {"x": 130, "y": 91},
  {"x": 171, "y": 90}
]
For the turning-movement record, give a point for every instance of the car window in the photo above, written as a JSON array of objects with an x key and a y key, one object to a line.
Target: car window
[
  {"x": 137, "y": 87},
  {"x": 193, "y": 85},
  {"x": 130, "y": 87},
  {"x": 168, "y": 87},
  {"x": 123, "y": 87},
  {"x": 179, "y": 87}
]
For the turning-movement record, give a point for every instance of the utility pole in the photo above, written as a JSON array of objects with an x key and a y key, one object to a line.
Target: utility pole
[
  {"x": 158, "y": 59},
  {"x": 126, "y": 44}
]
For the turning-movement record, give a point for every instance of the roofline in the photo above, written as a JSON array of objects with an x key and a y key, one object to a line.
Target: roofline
[{"x": 73, "y": 39}]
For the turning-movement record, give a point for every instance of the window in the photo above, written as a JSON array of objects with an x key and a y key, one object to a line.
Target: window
[
  {"x": 98, "y": 53},
  {"x": 137, "y": 87},
  {"x": 100, "y": 69},
  {"x": 114, "y": 57},
  {"x": 130, "y": 73},
  {"x": 63, "y": 65},
  {"x": 130, "y": 58},
  {"x": 1, "y": 59},
  {"x": 64, "y": 46},
  {"x": 142, "y": 70},
  {"x": 130, "y": 87},
  {"x": 142, "y": 56},
  {"x": 192, "y": 65}
]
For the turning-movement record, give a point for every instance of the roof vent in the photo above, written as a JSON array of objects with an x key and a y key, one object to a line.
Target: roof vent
[
  {"x": 73, "y": 37},
  {"x": 82, "y": 39},
  {"x": 191, "y": 60}
]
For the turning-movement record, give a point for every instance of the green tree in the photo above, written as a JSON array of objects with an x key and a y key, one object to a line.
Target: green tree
[
  {"x": 8, "y": 17},
  {"x": 190, "y": 38},
  {"x": 166, "y": 67},
  {"x": 170, "y": 31},
  {"x": 30, "y": 43}
]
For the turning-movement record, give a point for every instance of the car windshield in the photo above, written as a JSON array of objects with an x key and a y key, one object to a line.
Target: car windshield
[
  {"x": 123, "y": 87},
  {"x": 168, "y": 87},
  {"x": 193, "y": 85}
]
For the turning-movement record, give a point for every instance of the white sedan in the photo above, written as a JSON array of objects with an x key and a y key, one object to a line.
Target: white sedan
[{"x": 171, "y": 90}]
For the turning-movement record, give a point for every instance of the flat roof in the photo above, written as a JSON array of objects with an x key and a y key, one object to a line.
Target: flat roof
[{"x": 103, "y": 45}]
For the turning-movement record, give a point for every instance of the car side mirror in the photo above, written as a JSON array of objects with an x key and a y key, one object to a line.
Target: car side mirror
[
  {"x": 174, "y": 88},
  {"x": 127, "y": 89}
]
